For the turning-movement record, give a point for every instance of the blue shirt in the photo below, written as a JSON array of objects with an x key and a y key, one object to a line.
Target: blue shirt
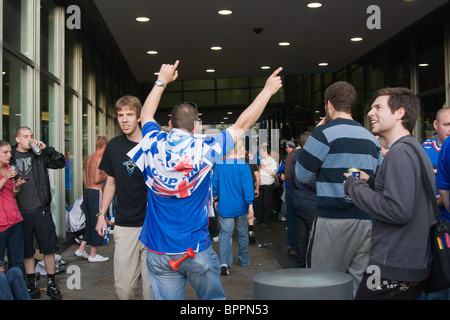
[
  {"x": 232, "y": 181},
  {"x": 177, "y": 212},
  {"x": 443, "y": 173}
]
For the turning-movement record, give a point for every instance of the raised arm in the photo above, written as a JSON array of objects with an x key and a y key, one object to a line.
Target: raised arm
[
  {"x": 256, "y": 108},
  {"x": 167, "y": 74}
]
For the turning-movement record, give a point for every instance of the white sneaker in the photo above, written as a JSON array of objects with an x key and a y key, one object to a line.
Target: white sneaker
[
  {"x": 98, "y": 258},
  {"x": 80, "y": 254}
]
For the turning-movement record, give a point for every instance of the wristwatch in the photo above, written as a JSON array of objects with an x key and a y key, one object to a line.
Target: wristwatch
[{"x": 159, "y": 83}]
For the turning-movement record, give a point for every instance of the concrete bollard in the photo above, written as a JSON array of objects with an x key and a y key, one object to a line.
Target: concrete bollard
[{"x": 302, "y": 284}]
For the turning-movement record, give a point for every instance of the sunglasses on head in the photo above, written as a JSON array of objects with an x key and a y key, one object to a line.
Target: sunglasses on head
[{"x": 189, "y": 103}]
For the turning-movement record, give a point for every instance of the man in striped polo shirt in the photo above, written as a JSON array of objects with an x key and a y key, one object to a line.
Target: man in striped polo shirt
[{"x": 340, "y": 239}]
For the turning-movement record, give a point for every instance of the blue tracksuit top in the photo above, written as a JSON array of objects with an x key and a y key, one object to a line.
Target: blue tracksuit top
[{"x": 232, "y": 181}]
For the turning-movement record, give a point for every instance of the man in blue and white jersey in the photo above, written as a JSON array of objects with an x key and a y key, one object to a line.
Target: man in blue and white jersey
[
  {"x": 177, "y": 168},
  {"x": 442, "y": 127},
  {"x": 341, "y": 232}
]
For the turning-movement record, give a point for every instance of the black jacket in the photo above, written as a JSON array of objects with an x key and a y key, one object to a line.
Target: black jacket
[{"x": 48, "y": 159}]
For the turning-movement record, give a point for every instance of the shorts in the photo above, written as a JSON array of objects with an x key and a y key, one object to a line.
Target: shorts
[
  {"x": 91, "y": 202},
  {"x": 40, "y": 225}
]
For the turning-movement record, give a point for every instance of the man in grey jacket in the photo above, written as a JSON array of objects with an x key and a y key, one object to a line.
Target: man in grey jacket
[{"x": 400, "y": 254}]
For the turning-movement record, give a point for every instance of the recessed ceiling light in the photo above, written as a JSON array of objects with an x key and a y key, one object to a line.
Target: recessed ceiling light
[
  {"x": 314, "y": 5},
  {"x": 216, "y": 48},
  {"x": 152, "y": 52},
  {"x": 229, "y": 112},
  {"x": 225, "y": 12},
  {"x": 423, "y": 64},
  {"x": 265, "y": 67},
  {"x": 356, "y": 39},
  {"x": 210, "y": 70},
  {"x": 284, "y": 44},
  {"x": 225, "y": 118},
  {"x": 323, "y": 64},
  {"x": 142, "y": 19}
]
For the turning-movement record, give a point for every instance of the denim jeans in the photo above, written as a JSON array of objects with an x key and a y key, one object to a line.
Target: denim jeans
[
  {"x": 202, "y": 271},
  {"x": 12, "y": 239},
  {"x": 12, "y": 285},
  {"x": 291, "y": 222},
  {"x": 225, "y": 240}
]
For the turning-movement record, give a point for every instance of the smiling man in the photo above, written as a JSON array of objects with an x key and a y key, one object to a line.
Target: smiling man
[{"x": 401, "y": 210}]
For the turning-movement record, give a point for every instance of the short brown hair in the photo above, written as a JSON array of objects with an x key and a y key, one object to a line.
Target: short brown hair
[
  {"x": 402, "y": 98},
  {"x": 100, "y": 142},
  {"x": 303, "y": 137},
  {"x": 342, "y": 96},
  {"x": 183, "y": 116},
  {"x": 129, "y": 101}
]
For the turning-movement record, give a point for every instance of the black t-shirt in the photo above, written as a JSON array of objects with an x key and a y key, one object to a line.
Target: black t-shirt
[
  {"x": 131, "y": 191},
  {"x": 28, "y": 198}
]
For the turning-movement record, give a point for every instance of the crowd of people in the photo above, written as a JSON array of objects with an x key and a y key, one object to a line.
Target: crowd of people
[{"x": 169, "y": 186}]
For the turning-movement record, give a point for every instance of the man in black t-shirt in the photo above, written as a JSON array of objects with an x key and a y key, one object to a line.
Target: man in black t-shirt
[
  {"x": 126, "y": 183},
  {"x": 34, "y": 201}
]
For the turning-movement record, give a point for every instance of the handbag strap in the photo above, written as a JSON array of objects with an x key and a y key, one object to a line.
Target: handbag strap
[{"x": 430, "y": 191}]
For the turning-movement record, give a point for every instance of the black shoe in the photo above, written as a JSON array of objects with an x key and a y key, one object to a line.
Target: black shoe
[
  {"x": 53, "y": 291},
  {"x": 224, "y": 270},
  {"x": 251, "y": 237},
  {"x": 33, "y": 290}
]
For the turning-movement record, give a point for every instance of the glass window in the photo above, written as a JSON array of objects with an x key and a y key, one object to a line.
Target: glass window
[
  {"x": 48, "y": 36},
  {"x": 18, "y": 25},
  {"x": 430, "y": 57},
  {"x": 201, "y": 98},
  {"x": 234, "y": 96},
  {"x": 69, "y": 147},
  {"x": 207, "y": 84},
  {"x": 16, "y": 96},
  {"x": 232, "y": 83}
]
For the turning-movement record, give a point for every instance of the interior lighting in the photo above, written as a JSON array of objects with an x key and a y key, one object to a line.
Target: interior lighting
[
  {"x": 284, "y": 44},
  {"x": 152, "y": 52},
  {"x": 314, "y": 5},
  {"x": 356, "y": 39},
  {"x": 225, "y": 12},
  {"x": 323, "y": 64},
  {"x": 142, "y": 19}
]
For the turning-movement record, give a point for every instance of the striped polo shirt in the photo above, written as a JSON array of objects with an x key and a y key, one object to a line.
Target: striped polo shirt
[{"x": 331, "y": 150}]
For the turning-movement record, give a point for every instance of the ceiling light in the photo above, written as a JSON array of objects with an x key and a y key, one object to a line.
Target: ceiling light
[
  {"x": 265, "y": 67},
  {"x": 210, "y": 70},
  {"x": 323, "y": 64},
  {"x": 152, "y": 52},
  {"x": 142, "y": 19},
  {"x": 314, "y": 5},
  {"x": 423, "y": 64},
  {"x": 225, "y": 118},
  {"x": 356, "y": 39},
  {"x": 284, "y": 44},
  {"x": 229, "y": 112},
  {"x": 225, "y": 12},
  {"x": 216, "y": 48}
]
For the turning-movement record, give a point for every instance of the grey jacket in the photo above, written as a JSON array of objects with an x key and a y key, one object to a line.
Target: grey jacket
[{"x": 401, "y": 211}]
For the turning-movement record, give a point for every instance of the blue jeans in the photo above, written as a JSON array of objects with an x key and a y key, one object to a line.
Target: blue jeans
[
  {"x": 291, "y": 222},
  {"x": 225, "y": 240},
  {"x": 12, "y": 285},
  {"x": 12, "y": 239},
  {"x": 202, "y": 271}
]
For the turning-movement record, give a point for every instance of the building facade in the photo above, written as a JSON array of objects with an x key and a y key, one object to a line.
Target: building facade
[{"x": 62, "y": 82}]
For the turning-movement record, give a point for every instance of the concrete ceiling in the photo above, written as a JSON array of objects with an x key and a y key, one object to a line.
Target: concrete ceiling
[{"x": 186, "y": 30}]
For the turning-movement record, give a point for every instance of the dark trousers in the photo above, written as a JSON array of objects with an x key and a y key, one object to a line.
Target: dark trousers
[
  {"x": 389, "y": 290},
  {"x": 264, "y": 203},
  {"x": 303, "y": 223}
]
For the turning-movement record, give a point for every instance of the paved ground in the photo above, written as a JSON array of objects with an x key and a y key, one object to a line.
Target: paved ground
[{"x": 97, "y": 278}]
